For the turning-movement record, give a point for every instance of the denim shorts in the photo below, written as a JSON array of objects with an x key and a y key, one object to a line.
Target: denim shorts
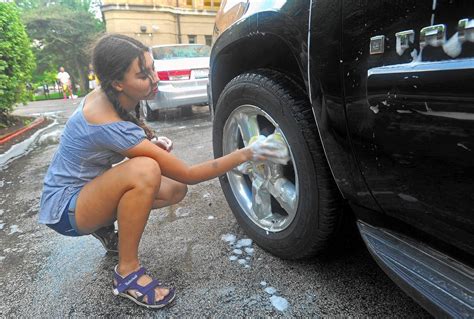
[{"x": 67, "y": 224}]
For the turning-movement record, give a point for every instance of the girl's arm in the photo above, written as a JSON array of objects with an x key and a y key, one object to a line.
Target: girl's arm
[{"x": 174, "y": 168}]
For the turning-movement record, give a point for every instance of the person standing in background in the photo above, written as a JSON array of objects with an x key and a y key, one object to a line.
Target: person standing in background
[
  {"x": 93, "y": 81},
  {"x": 64, "y": 80}
]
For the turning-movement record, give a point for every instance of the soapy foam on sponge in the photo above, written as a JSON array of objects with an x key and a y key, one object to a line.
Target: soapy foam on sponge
[{"x": 271, "y": 147}]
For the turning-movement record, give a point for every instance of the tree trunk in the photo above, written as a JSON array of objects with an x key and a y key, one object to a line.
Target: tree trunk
[{"x": 82, "y": 81}]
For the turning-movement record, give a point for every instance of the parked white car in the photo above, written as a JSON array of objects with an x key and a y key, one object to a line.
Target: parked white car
[{"x": 183, "y": 70}]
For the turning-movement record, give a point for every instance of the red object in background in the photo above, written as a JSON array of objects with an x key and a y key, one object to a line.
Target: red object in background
[
  {"x": 174, "y": 75},
  {"x": 14, "y": 134}
]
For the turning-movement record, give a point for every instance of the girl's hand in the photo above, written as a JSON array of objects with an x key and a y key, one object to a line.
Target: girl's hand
[{"x": 163, "y": 142}]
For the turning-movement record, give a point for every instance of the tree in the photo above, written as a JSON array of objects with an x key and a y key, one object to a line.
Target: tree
[
  {"x": 62, "y": 35},
  {"x": 16, "y": 59}
]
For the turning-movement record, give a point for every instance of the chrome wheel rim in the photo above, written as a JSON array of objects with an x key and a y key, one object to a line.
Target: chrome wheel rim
[{"x": 267, "y": 192}]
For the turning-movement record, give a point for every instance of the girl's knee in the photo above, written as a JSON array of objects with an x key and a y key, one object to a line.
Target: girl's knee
[
  {"x": 181, "y": 191},
  {"x": 145, "y": 170}
]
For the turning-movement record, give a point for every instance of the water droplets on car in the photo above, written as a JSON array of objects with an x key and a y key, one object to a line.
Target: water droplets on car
[
  {"x": 453, "y": 47},
  {"x": 407, "y": 198},
  {"x": 458, "y": 144},
  {"x": 374, "y": 109}
]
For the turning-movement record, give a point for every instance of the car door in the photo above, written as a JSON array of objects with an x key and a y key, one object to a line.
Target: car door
[{"x": 408, "y": 68}]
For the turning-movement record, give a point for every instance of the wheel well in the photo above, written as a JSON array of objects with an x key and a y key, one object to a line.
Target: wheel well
[{"x": 259, "y": 51}]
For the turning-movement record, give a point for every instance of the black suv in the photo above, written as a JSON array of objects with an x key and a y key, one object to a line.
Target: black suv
[{"x": 375, "y": 100}]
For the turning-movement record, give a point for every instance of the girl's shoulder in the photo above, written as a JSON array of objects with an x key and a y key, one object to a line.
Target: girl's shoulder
[
  {"x": 97, "y": 110},
  {"x": 80, "y": 123},
  {"x": 104, "y": 129},
  {"x": 117, "y": 136}
]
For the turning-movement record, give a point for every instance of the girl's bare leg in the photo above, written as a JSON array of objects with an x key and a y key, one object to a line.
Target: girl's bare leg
[
  {"x": 126, "y": 192},
  {"x": 171, "y": 192},
  {"x": 70, "y": 92}
]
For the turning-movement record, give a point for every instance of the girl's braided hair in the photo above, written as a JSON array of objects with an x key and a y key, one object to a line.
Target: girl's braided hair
[{"x": 112, "y": 57}]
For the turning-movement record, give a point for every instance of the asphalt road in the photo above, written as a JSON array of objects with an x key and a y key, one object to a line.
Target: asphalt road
[{"x": 46, "y": 275}]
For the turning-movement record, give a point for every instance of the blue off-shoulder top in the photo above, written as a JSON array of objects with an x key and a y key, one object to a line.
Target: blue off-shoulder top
[{"x": 85, "y": 151}]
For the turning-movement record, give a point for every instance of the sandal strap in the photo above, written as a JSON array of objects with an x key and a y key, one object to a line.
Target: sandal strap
[
  {"x": 151, "y": 286},
  {"x": 130, "y": 281},
  {"x": 148, "y": 291}
]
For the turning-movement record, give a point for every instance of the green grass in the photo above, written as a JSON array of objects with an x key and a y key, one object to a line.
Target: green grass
[{"x": 53, "y": 96}]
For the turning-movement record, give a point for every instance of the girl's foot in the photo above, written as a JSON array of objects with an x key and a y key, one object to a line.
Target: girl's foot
[{"x": 142, "y": 289}]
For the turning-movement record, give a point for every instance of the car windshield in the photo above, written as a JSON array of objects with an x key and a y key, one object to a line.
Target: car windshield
[{"x": 180, "y": 51}]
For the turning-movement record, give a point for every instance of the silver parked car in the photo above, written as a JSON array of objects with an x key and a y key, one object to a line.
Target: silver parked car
[{"x": 183, "y": 70}]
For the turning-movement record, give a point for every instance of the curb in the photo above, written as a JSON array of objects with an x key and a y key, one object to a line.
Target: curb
[{"x": 8, "y": 137}]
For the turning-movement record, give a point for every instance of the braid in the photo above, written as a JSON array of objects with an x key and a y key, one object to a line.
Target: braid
[{"x": 126, "y": 116}]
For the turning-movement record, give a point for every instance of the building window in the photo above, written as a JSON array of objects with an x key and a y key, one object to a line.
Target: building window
[
  {"x": 208, "y": 39},
  {"x": 191, "y": 39},
  {"x": 189, "y": 3},
  {"x": 213, "y": 4}
]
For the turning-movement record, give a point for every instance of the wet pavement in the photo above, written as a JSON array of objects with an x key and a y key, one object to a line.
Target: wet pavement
[{"x": 190, "y": 245}]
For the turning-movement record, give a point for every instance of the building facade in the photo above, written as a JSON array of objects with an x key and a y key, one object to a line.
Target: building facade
[{"x": 162, "y": 21}]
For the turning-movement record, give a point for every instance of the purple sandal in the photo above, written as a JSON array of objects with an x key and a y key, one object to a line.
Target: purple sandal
[{"x": 130, "y": 282}]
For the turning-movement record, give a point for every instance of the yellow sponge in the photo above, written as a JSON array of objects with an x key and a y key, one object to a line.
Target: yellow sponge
[{"x": 253, "y": 139}]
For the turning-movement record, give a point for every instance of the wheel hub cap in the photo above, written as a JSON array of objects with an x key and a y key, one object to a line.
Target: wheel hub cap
[{"x": 267, "y": 192}]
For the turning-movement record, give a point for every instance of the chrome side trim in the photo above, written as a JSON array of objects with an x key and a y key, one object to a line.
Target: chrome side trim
[
  {"x": 444, "y": 286},
  {"x": 461, "y": 64}
]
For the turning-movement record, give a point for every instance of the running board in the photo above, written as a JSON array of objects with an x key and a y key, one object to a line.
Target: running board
[{"x": 442, "y": 285}]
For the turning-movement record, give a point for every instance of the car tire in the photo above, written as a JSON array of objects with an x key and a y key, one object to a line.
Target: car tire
[
  {"x": 318, "y": 215},
  {"x": 147, "y": 112}
]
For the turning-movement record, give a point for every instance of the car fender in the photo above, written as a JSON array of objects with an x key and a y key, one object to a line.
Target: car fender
[{"x": 269, "y": 29}]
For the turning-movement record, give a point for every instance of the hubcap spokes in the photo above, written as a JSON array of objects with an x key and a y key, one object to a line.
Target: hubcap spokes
[
  {"x": 248, "y": 126},
  {"x": 267, "y": 192}
]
